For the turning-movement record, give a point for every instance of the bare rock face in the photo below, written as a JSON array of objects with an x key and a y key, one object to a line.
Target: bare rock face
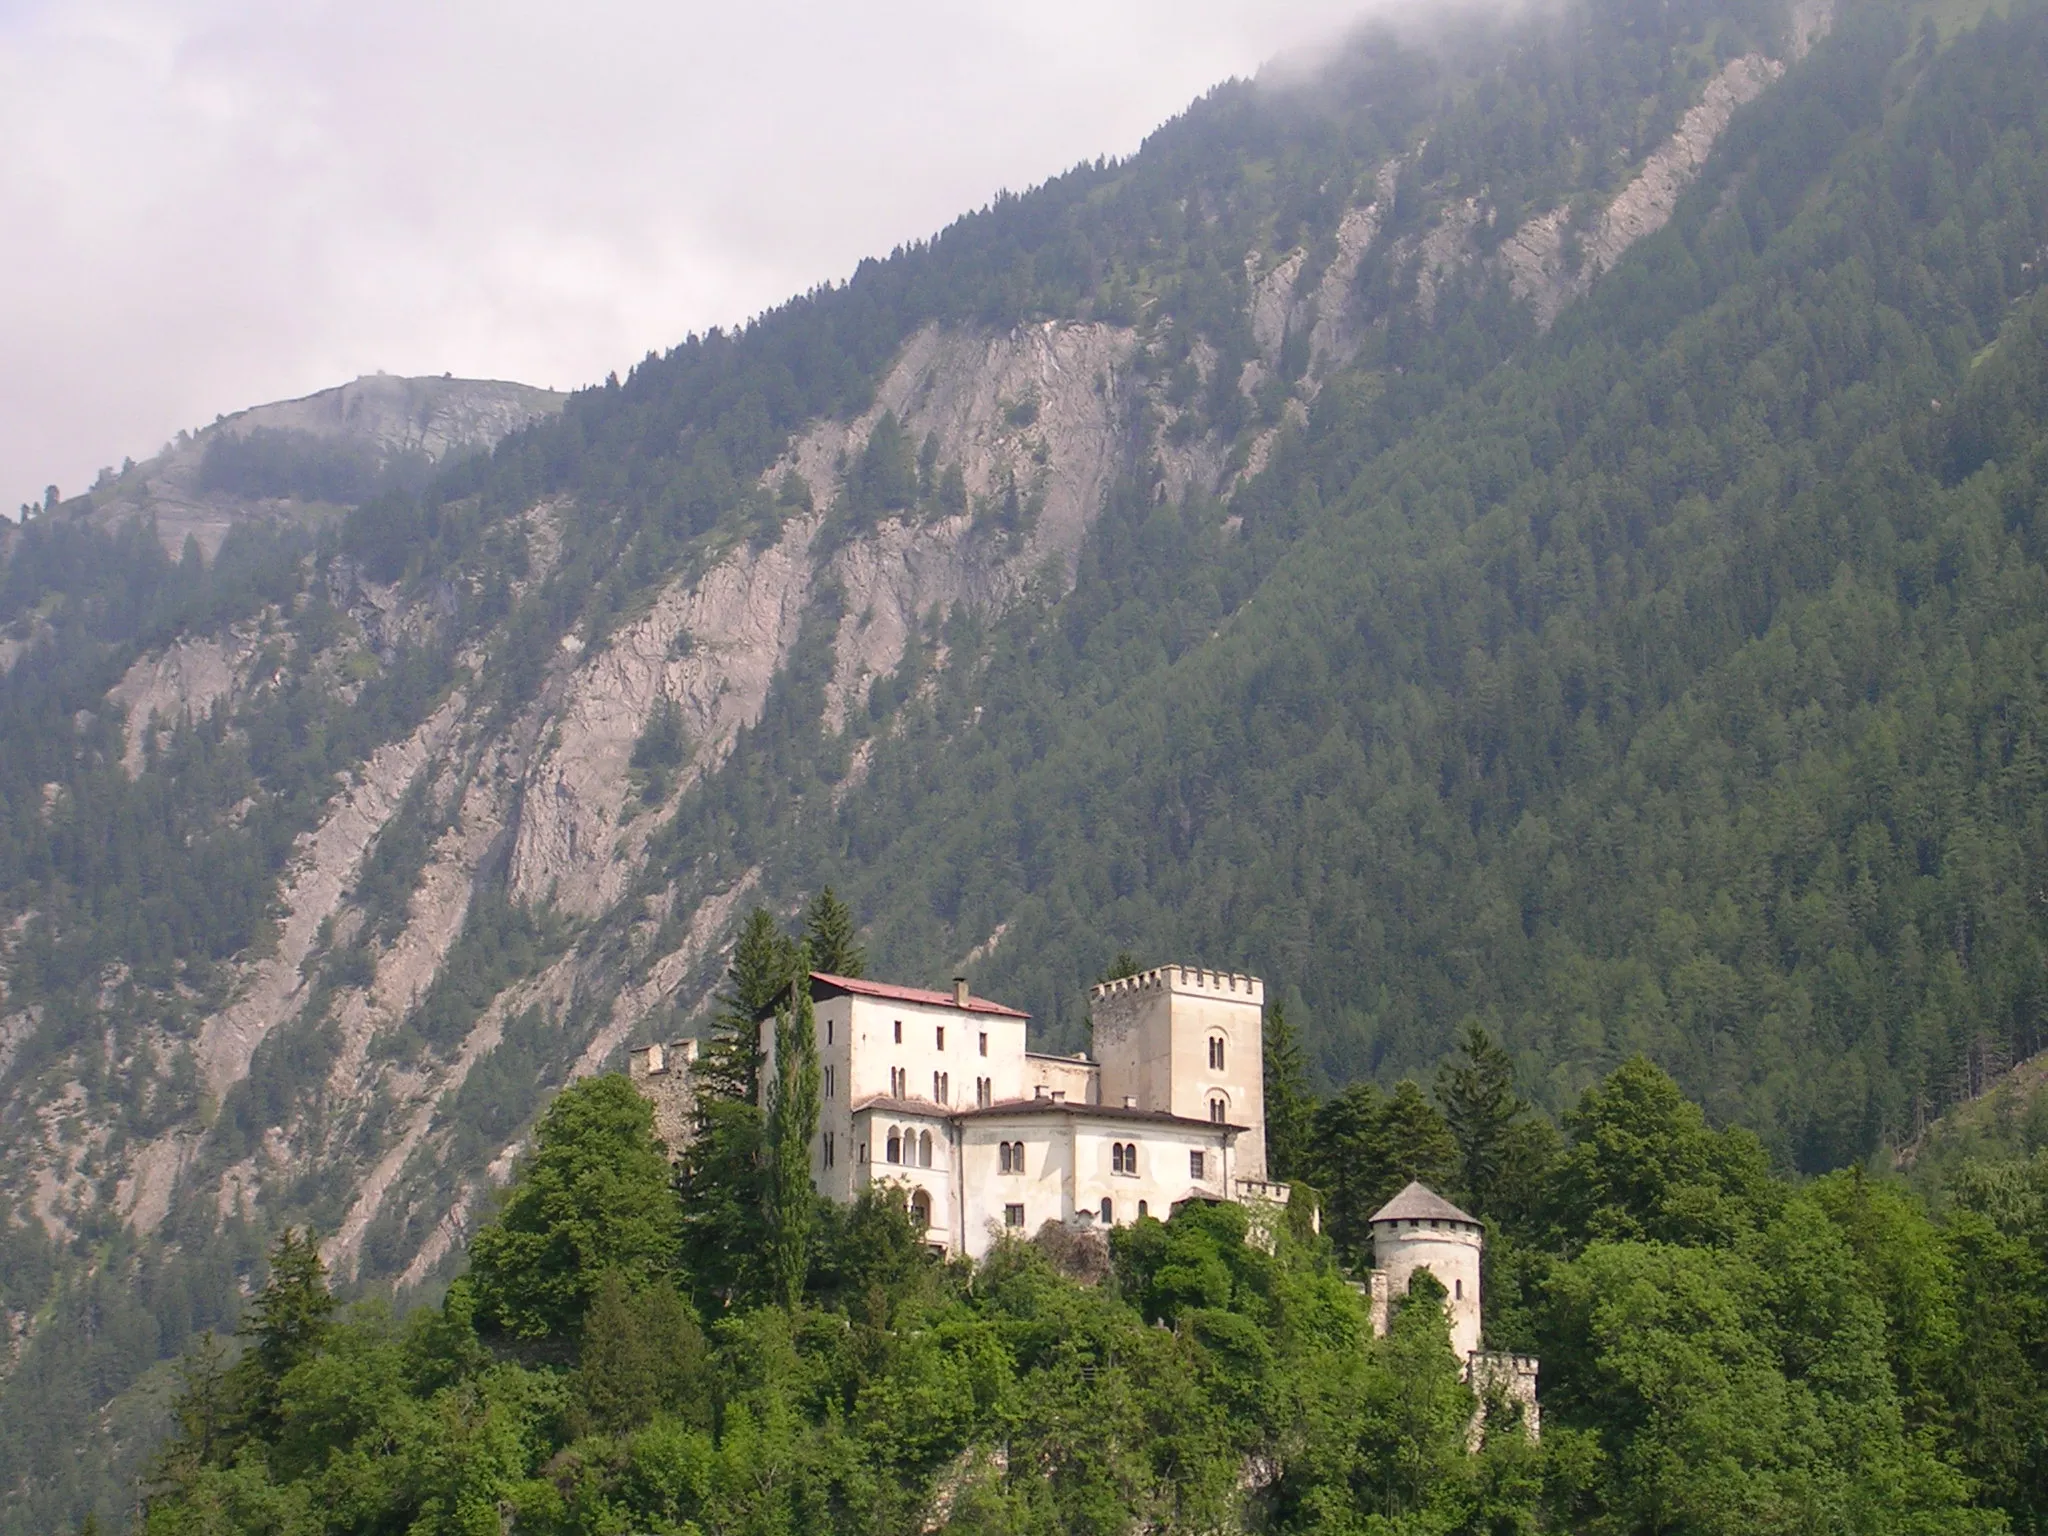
[
  {"x": 1039, "y": 422},
  {"x": 388, "y": 416},
  {"x": 435, "y": 417},
  {"x": 1538, "y": 256},
  {"x": 714, "y": 647},
  {"x": 181, "y": 684}
]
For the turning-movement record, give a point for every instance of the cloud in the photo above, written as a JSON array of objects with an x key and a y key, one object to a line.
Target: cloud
[{"x": 212, "y": 203}]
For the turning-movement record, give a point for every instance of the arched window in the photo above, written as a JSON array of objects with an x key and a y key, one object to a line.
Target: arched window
[
  {"x": 894, "y": 1151},
  {"x": 921, "y": 1210},
  {"x": 1116, "y": 1157},
  {"x": 1216, "y": 1052},
  {"x": 1218, "y": 1110},
  {"x": 1108, "y": 1212},
  {"x": 1143, "y": 1210},
  {"x": 924, "y": 1149}
]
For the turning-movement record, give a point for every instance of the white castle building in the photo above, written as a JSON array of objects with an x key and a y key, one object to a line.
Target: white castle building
[{"x": 935, "y": 1094}]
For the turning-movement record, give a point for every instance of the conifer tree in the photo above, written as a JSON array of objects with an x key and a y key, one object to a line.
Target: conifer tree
[
  {"x": 287, "y": 1322},
  {"x": 1476, "y": 1091},
  {"x": 792, "y": 1122},
  {"x": 763, "y": 961},
  {"x": 834, "y": 943},
  {"x": 1290, "y": 1108}
]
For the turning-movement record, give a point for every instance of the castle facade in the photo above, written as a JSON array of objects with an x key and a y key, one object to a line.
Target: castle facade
[{"x": 934, "y": 1095}]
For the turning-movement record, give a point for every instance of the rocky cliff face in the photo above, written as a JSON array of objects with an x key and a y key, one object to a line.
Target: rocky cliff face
[
  {"x": 385, "y": 415},
  {"x": 1042, "y": 420}
]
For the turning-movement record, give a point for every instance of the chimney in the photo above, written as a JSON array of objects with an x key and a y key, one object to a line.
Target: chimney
[{"x": 959, "y": 991}]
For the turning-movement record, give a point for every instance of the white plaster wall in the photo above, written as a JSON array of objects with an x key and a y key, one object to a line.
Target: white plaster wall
[
  {"x": 1451, "y": 1254},
  {"x": 872, "y": 1039}
]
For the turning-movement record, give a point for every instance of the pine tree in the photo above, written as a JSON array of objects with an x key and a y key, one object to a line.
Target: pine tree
[
  {"x": 763, "y": 961},
  {"x": 1476, "y": 1091},
  {"x": 792, "y": 1123},
  {"x": 287, "y": 1322},
  {"x": 1290, "y": 1108},
  {"x": 829, "y": 930}
]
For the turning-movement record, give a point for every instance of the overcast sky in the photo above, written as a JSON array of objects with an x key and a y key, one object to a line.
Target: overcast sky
[{"x": 208, "y": 204}]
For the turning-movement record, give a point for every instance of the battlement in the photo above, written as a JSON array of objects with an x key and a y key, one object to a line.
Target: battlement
[
  {"x": 655, "y": 1060},
  {"x": 1183, "y": 978},
  {"x": 1509, "y": 1381},
  {"x": 1512, "y": 1365},
  {"x": 662, "y": 1074}
]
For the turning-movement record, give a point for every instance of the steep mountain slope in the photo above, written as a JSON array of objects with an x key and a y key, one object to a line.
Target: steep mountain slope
[
  {"x": 1537, "y": 526},
  {"x": 328, "y": 450}
]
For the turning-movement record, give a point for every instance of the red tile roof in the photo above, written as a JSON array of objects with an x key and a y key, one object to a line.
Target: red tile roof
[{"x": 864, "y": 988}]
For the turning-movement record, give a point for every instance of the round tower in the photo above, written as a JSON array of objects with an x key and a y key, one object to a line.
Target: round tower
[{"x": 1419, "y": 1229}]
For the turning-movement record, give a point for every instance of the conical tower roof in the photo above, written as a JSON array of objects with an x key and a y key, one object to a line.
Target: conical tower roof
[{"x": 1418, "y": 1202}]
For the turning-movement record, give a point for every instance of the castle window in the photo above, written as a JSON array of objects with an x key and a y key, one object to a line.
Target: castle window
[
  {"x": 924, "y": 1149},
  {"x": 921, "y": 1210},
  {"x": 1143, "y": 1210},
  {"x": 1457, "y": 1290},
  {"x": 984, "y": 1092},
  {"x": 895, "y": 1145},
  {"x": 828, "y": 1082},
  {"x": 899, "y": 1031},
  {"x": 828, "y": 1031},
  {"x": 984, "y": 1042},
  {"x": 1217, "y": 1110},
  {"x": 1123, "y": 1157},
  {"x": 942, "y": 1037},
  {"x": 1108, "y": 1210},
  {"x": 1196, "y": 1163},
  {"x": 1216, "y": 1052},
  {"x": 829, "y": 1150},
  {"x": 1013, "y": 1216}
]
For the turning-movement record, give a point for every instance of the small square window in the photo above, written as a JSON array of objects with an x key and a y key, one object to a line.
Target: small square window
[
  {"x": 1013, "y": 1215},
  {"x": 1196, "y": 1163}
]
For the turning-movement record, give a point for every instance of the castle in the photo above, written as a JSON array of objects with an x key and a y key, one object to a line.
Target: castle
[{"x": 936, "y": 1094}]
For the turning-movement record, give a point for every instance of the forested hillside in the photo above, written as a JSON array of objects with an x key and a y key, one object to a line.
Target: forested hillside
[
  {"x": 1533, "y": 526},
  {"x": 1722, "y": 1352}
]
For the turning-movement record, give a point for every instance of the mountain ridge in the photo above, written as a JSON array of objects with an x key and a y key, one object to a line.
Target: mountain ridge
[{"x": 727, "y": 631}]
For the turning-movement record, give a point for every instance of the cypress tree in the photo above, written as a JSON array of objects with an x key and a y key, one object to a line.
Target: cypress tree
[{"x": 792, "y": 1122}]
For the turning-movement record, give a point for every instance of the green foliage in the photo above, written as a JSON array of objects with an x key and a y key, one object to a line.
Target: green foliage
[
  {"x": 640, "y": 1355},
  {"x": 764, "y": 962},
  {"x": 792, "y": 1127},
  {"x": 594, "y": 1199},
  {"x": 1643, "y": 1164},
  {"x": 1365, "y": 1147},
  {"x": 1207, "y": 1384},
  {"x": 1289, "y": 1108},
  {"x": 831, "y": 938},
  {"x": 1504, "y": 1150},
  {"x": 274, "y": 462}
]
